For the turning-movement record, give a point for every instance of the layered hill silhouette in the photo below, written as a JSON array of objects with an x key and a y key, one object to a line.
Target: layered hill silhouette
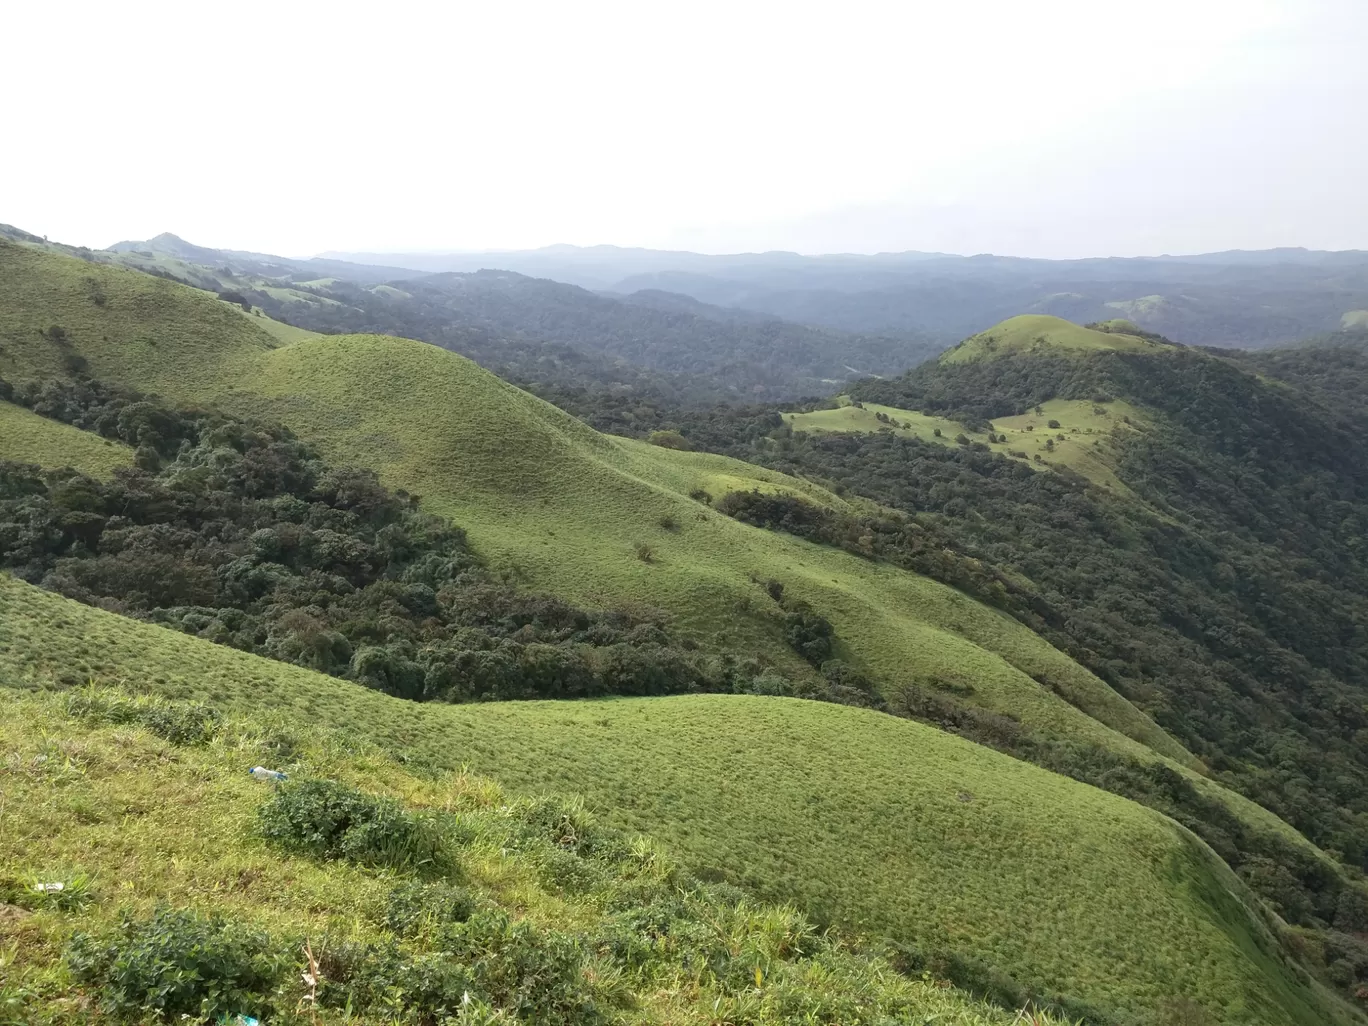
[
  {"x": 1236, "y": 299},
  {"x": 538, "y": 331}
]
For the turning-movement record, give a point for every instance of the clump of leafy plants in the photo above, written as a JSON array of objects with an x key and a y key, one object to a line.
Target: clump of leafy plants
[
  {"x": 181, "y": 723},
  {"x": 180, "y": 963},
  {"x": 414, "y": 907},
  {"x": 332, "y": 820}
]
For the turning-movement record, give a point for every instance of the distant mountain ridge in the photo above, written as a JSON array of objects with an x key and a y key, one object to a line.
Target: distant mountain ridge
[
  {"x": 1237, "y": 298},
  {"x": 170, "y": 245},
  {"x": 538, "y": 331}
]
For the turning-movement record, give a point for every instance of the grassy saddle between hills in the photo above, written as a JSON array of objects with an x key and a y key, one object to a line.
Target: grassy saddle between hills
[{"x": 890, "y": 829}]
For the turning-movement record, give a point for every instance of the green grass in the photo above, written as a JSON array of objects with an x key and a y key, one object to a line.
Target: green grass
[
  {"x": 555, "y": 504},
  {"x": 888, "y": 827},
  {"x": 1087, "y": 431},
  {"x": 26, "y": 437},
  {"x": 1041, "y": 333},
  {"x": 132, "y": 822}
]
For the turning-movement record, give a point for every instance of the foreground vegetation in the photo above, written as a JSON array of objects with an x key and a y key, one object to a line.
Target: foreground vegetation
[
  {"x": 360, "y": 892},
  {"x": 1010, "y": 879}
]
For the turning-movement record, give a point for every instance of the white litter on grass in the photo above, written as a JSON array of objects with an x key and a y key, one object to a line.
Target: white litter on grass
[
  {"x": 49, "y": 888},
  {"x": 264, "y": 775}
]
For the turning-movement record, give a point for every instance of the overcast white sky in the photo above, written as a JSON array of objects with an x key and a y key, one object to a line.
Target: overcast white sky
[{"x": 1050, "y": 128}]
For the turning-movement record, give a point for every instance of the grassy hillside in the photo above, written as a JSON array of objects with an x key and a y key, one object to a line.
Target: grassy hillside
[
  {"x": 1041, "y": 333},
  {"x": 600, "y": 520},
  {"x": 557, "y": 920},
  {"x": 556, "y": 504},
  {"x": 26, "y": 437},
  {"x": 1081, "y": 440},
  {"x": 910, "y": 833}
]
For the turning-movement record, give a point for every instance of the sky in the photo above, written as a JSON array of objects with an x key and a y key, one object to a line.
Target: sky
[{"x": 1057, "y": 128}]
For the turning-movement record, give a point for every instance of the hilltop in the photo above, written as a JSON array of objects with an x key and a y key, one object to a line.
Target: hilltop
[
  {"x": 1186, "y": 521},
  {"x": 1042, "y": 334}
]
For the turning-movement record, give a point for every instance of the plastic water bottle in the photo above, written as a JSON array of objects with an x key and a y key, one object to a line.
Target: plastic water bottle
[{"x": 267, "y": 775}]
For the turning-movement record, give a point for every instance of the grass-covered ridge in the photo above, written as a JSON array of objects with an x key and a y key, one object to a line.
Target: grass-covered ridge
[
  {"x": 1042, "y": 333},
  {"x": 26, "y": 437},
  {"x": 913, "y": 834},
  {"x": 217, "y": 891},
  {"x": 553, "y": 503}
]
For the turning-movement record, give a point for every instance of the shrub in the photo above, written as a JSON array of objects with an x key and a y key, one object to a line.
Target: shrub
[
  {"x": 331, "y": 820},
  {"x": 563, "y": 821},
  {"x": 534, "y": 974},
  {"x": 180, "y": 963},
  {"x": 809, "y": 633},
  {"x": 1053, "y": 425},
  {"x": 181, "y": 723},
  {"x": 670, "y": 440},
  {"x": 668, "y": 523},
  {"x": 414, "y": 907},
  {"x": 699, "y": 495},
  {"x": 644, "y": 552},
  {"x": 425, "y": 988}
]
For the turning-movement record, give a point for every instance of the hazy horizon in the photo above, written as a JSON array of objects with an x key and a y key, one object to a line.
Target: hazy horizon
[{"x": 1066, "y": 130}]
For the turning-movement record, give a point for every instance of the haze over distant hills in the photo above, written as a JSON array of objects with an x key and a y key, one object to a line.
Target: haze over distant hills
[{"x": 1241, "y": 299}]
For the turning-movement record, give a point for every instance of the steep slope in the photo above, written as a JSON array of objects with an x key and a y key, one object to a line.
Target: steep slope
[{"x": 912, "y": 834}]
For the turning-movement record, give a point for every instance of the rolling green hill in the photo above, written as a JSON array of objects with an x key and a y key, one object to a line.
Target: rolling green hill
[
  {"x": 605, "y": 521},
  {"x": 1041, "y": 333},
  {"x": 557, "y": 505},
  {"x": 889, "y": 827}
]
